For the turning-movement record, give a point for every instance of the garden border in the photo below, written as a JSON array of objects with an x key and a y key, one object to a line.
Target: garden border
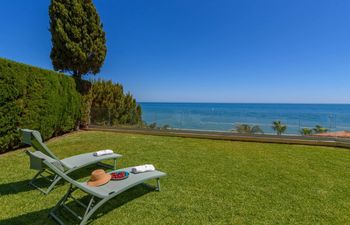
[{"x": 265, "y": 138}]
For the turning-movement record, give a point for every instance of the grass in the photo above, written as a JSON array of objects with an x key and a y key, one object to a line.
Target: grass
[{"x": 208, "y": 182}]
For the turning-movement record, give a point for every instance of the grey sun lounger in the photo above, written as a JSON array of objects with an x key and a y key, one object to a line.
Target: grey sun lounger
[
  {"x": 68, "y": 165},
  {"x": 97, "y": 196}
]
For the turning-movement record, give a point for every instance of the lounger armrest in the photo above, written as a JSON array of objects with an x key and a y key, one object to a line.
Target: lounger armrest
[
  {"x": 35, "y": 162},
  {"x": 37, "y": 158}
]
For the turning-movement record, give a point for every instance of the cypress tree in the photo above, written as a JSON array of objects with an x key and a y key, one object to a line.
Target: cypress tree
[{"x": 78, "y": 39}]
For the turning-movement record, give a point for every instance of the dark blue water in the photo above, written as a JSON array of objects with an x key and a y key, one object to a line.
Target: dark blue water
[{"x": 224, "y": 116}]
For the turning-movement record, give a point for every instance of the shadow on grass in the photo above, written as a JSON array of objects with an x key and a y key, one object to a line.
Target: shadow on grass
[
  {"x": 32, "y": 218},
  {"x": 15, "y": 187},
  {"x": 23, "y": 185},
  {"x": 42, "y": 216}
]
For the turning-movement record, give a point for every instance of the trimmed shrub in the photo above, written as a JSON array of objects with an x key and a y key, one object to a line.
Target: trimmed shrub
[
  {"x": 35, "y": 98},
  {"x": 107, "y": 104}
]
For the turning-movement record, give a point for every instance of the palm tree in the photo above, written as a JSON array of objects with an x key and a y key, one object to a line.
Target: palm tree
[
  {"x": 247, "y": 129},
  {"x": 319, "y": 129},
  {"x": 256, "y": 129},
  {"x": 279, "y": 127},
  {"x": 305, "y": 131}
]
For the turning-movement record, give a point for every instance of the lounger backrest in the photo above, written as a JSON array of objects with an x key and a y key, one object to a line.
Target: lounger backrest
[
  {"x": 33, "y": 138},
  {"x": 60, "y": 173}
]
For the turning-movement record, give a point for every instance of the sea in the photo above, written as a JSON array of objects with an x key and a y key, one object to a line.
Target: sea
[{"x": 226, "y": 116}]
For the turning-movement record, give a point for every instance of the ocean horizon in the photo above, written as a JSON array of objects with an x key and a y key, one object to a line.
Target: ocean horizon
[
  {"x": 272, "y": 103},
  {"x": 225, "y": 116}
]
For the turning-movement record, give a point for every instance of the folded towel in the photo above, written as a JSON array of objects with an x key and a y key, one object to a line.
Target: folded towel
[
  {"x": 143, "y": 168},
  {"x": 103, "y": 152}
]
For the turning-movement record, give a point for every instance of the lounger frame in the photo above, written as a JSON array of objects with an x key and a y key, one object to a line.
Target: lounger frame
[
  {"x": 96, "y": 199},
  {"x": 33, "y": 138}
]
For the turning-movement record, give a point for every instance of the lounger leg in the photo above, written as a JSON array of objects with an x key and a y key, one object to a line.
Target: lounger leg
[
  {"x": 55, "y": 180},
  {"x": 109, "y": 166},
  {"x": 158, "y": 184},
  {"x": 31, "y": 182},
  {"x": 115, "y": 164},
  {"x": 52, "y": 184},
  {"x": 89, "y": 206},
  {"x": 89, "y": 212},
  {"x": 60, "y": 203},
  {"x": 157, "y": 187}
]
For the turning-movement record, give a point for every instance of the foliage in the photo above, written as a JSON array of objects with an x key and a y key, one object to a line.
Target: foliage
[
  {"x": 35, "y": 98},
  {"x": 305, "y": 131},
  {"x": 166, "y": 127},
  {"x": 107, "y": 104},
  {"x": 153, "y": 125},
  {"x": 279, "y": 127},
  {"x": 247, "y": 129},
  {"x": 319, "y": 129},
  {"x": 208, "y": 182},
  {"x": 77, "y": 36}
]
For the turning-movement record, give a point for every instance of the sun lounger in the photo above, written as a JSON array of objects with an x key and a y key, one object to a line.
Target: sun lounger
[
  {"x": 67, "y": 165},
  {"x": 97, "y": 195}
]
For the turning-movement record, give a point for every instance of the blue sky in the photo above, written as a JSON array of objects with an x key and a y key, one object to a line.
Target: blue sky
[{"x": 206, "y": 51}]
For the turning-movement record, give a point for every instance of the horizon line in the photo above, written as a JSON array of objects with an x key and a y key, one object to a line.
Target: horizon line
[{"x": 276, "y": 103}]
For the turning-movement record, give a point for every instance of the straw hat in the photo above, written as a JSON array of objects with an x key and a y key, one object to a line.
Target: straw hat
[{"x": 98, "y": 178}]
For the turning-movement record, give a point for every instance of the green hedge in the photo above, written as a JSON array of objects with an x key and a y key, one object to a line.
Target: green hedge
[
  {"x": 107, "y": 104},
  {"x": 35, "y": 98}
]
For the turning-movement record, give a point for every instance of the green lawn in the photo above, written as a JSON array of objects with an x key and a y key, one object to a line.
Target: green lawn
[{"x": 208, "y": 182}]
